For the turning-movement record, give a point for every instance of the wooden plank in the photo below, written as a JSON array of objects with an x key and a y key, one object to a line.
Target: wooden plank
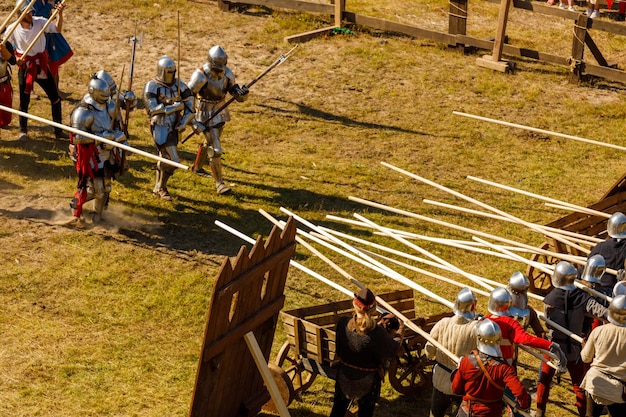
[
  {"x": 487, "y": 61},
  {"x": 389, "y": 26},
  {"x": 340, "y": 7},
  {"x": 593, "y": 48}
]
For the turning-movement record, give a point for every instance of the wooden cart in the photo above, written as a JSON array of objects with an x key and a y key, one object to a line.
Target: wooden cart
[
  {"x": 586, "y": 224},
  {"x": 310, "y": 347}
]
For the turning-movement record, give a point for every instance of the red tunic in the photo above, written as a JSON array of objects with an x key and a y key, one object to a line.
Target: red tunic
[
  {"x": 515, "y": 334},
  {"x": 483, "y": 397}
]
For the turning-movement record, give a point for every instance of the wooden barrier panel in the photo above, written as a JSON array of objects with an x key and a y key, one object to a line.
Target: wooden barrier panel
[{"x": 247, "y": 297}]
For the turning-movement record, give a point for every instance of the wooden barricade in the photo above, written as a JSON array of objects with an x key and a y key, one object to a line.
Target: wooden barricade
[
  {"x": 457, "y": 37},
  {"x": 247, "y": 298}
]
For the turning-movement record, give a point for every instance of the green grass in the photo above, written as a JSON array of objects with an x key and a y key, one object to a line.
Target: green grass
[{"x": 108, "y": 320}]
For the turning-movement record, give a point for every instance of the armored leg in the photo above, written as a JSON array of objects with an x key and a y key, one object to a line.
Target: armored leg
[
  {"x": 215, "y": 155},
  {"x": 100, "y": 197},
  {"x": 165, "y": 171}
]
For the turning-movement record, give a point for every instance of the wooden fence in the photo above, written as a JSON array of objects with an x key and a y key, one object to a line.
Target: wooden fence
[{"x": 457, "y": 37}]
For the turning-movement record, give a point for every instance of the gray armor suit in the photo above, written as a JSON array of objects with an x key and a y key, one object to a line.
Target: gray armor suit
[
  {"x": 95, "y": 115},
  {"x": 210, "y": 84},
  {"x": 170, "y": 110}
]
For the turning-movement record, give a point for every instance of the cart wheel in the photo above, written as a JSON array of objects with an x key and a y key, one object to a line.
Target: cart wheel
[
  {"x": 540, "y": 281},
  {"x": 284, "y": 387},
  {"x": 411, "y": 371},
  {"x": 300, "y": 378}
]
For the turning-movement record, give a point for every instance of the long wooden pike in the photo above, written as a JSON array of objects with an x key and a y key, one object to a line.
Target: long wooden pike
[
  {"x": 94, "y": 137},
  {"x": 549, "y": 269},
  {"x": 540, "y": 197},
  {"x": 579, "y": 210},
  {"x": 488, "y": 207},
  {"x": 17, "y": 22},
  {"x": 579, "y": 237},
  {"x": 461, "y": 228},
  {"x": 542, "y": 131},
  {"x": 10, "y": 16}
]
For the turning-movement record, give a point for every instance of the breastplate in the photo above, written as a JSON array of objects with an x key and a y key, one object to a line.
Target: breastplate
[{"x": 214, "y": 90}]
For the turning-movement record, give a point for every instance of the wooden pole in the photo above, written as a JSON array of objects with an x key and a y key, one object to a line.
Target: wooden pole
[
  {"x": 576, "y": 236},
  {"x": 488, "y": 207},
  {"x": 94, "y": 137},
  {"x": 457, "y": 227},
  {"x": 17, "y": 22},
  {"x": 579, "y": 210},
  {"x": 539, "y": 196},
  {"x": 10, "y": 16},
  {"x": 542, "y": 131}
]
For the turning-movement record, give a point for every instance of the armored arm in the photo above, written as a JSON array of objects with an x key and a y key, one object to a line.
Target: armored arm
[
  {"x": 239, "y": 93},
  {"x": 188, "y": 109},
  {"x": 81, "y": 119}
]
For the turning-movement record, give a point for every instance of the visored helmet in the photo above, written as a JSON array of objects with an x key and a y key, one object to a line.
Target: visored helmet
[
  {"x": 564, "y": 276},
  {"x": 218, "y": 58},
  {"x": 99, "y": 90},
  {"x": 616, "y": 225},
  {"x": 594, "y": 269},
  {"x": 106, "y": 77},
  {"x": 465, "y": 304},
  {"x": 499, "y": 302},
  {"x": 617, "y": 311},
  {"x": 166, "y": 70},
  {"x": 488, "y": 339},
  {"x": 518, "y": 282}
]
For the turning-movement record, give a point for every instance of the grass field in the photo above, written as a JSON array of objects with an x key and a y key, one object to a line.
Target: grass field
[{"x": 107, "y": 319}]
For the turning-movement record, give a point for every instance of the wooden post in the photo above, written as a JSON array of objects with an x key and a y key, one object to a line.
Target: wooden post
[
  {"x": 578, "y": 48},
  {"x": 340, "y": 7},
  {"x": 457, "y": 19},
  {"x": 259, "y": 359},
  {"x": 494, "y": 61}
]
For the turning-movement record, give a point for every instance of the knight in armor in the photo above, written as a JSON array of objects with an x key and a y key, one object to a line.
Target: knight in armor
[
  {"x": 210, "y": 84},
  {"x": 95, "y": 161},
  {"x": 458, "y": 335},
  {"x": 605, "y": 382},
  {"x": 34, "y": 67},
  {"x": 7, "y": 58},
  {"x": 169, "y": 103},
  {"x": 364, "y": 348},
  {"x": 483, "y": 375},
  {"x": 573, "y": 309}
]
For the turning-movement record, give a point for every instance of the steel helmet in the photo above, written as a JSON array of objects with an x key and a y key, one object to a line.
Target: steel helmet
[
  {"x": 218, "y": 58},
  {"x": 518, "y": 282},
  {"x": 166, "y": 70},
  {"x": 619, "y": 288},
  {"x": 617, "y": 311},
  {"x": 465, "y": 304},
  {"x": 99, "y": 90},
  {"x": 616, "y": 225},
  {"x": 488, "y": 339},
  {"x": 499, "y": 302},
  {"x": 594, "y": 269},
  {"x": 564, "y": 276},
  {"x": 106, "y": 77}
]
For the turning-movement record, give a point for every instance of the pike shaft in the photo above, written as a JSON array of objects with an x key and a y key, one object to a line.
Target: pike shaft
[{"x": 94, "y": 137}]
